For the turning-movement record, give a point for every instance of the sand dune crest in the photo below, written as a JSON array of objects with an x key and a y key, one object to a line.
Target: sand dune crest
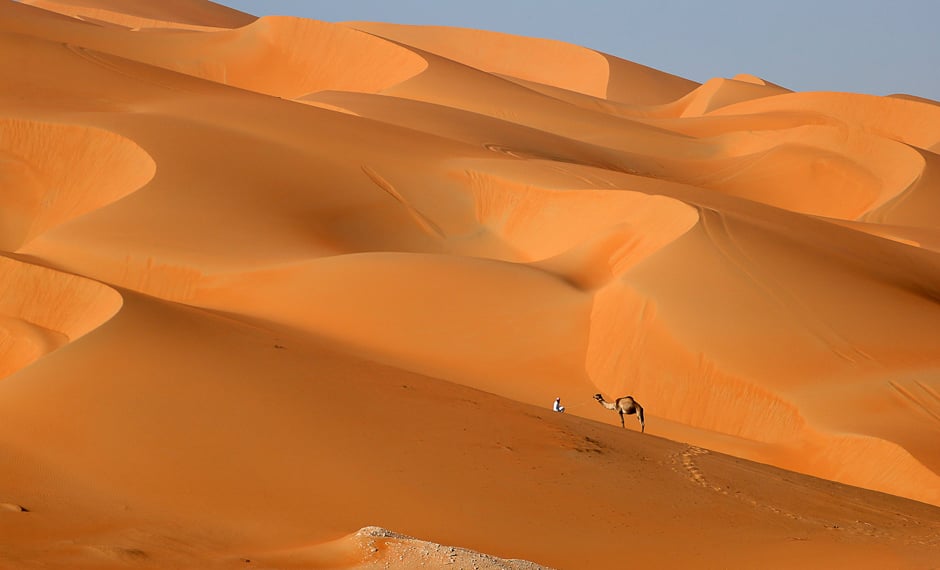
[
  {"x": 175, "y": 14},
  {"x": 41, "y": 310},
  {"x": 60, "y": 172},
  {"x": 267, "y": 281}
]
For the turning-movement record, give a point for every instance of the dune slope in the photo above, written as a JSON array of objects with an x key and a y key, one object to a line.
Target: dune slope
[{"x": 269, "y": 281}]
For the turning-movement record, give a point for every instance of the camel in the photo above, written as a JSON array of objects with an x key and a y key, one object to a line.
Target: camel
[{"x": 626, "y": 405}]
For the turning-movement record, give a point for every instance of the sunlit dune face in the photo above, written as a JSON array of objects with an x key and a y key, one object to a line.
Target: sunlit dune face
[
  {"x": 166, "y": 15},
  {"x": 57, "y": 172},
  {"x": 265, "y": 282},
  {"x": 42, "y": 310},
  {"x": 273, "y": 56},
  {"x": 270, "y": 55}
]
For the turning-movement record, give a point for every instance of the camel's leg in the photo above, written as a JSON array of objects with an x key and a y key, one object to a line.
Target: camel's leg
[{"x": 623, "y": 425}]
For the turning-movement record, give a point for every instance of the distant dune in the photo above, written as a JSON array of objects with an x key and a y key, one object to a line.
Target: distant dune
[{"x": 270, "y": 281}]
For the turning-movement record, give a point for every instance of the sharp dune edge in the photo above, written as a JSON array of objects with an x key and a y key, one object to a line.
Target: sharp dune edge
[{"x": 271, "y": 286}]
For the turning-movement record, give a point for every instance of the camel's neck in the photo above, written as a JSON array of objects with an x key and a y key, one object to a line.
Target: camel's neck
[{"x": 608, "y": 405}]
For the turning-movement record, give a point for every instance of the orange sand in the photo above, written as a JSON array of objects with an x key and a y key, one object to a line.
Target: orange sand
[{"x": 266, "y": 282}]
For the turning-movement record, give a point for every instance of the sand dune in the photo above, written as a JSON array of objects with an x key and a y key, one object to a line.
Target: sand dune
[
  {"x": 60, "y": 172},
  {"x": 169, "y": 14},
  {"x": 41, "y": 310},
  {"x": 541, "y": 61},
  {"x": 269, "y": 281}
]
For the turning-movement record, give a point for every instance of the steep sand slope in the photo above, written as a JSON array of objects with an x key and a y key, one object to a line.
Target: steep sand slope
[
  {"x": 167, "y": 14},
  {"x": 41, "y": 310},
  {"x": 543, "y": 62},
  {"x": 273, "y": 282},
  {"x": 56, "y": 173}
]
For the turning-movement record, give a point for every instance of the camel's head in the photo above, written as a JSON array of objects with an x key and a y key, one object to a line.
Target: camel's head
[{"x": 598, "y": 397}]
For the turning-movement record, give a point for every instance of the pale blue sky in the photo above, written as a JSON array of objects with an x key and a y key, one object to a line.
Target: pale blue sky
[{"x": 863, "y": 46}]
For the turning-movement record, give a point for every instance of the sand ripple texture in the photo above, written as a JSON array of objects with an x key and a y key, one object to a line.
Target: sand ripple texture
[{"x": 234, "y": 247}]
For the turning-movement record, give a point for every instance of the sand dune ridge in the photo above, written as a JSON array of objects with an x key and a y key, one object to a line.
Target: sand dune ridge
[
  {"x": 99, "y": 167},
  {"x": 267, "y": 281}
]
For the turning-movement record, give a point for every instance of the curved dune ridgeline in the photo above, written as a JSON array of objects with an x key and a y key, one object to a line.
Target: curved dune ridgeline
[
  {"x": 42, "y": 310},
  {"x": 273, "y": 56},
  {"x": 269, "y": 281},
  {"x": 58, "y": 172},
  {"x": 170, "y": 14}
]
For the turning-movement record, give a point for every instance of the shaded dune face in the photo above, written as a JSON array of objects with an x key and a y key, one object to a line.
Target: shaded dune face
[{"x": 359, "y": 209}]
